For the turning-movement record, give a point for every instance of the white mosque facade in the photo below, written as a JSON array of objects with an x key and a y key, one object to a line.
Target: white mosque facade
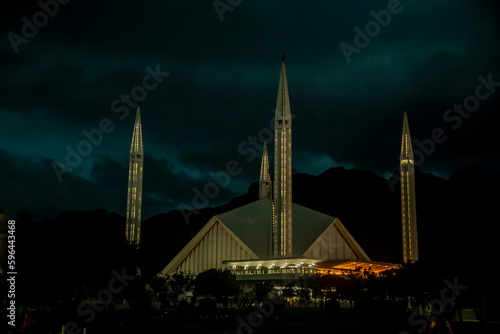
[{"x": 273, "y": 237}]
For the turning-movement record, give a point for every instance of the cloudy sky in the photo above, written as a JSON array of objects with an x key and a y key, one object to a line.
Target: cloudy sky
[{"x": 206, "y": 73}]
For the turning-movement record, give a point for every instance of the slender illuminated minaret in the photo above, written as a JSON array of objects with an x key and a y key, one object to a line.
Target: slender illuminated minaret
[
  {"x": 265, "y": 191},
  {"x": 408, "y": 207},
  {"x": 265, "y": 177},
  {"x": 282, "y": 184},
  {"x": 134, "y": 197}
]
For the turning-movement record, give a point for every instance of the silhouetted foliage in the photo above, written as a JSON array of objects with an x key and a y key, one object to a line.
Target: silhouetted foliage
[
  {"x": 262, "y": 290},
  {"x": 216, "y": 283}
]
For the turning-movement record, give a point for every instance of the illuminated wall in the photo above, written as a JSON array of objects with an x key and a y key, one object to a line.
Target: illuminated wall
[
  {"x": 134, "y": 197},
  {"x": 408, "y": 205},
  {"x": 214, "y": 244},
  {"x": 240, "y": 235},
  {"x": 332, "y": 244}
]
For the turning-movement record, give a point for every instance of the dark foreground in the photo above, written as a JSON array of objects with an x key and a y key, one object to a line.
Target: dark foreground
[{"x": 289, "y": 320}]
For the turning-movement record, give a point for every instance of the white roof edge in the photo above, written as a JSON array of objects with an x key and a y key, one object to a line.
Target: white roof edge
[
  {"x": 177, "y": 260},
  {"x": 351, "y": 241},
  {"x": 179, "y": 257}
]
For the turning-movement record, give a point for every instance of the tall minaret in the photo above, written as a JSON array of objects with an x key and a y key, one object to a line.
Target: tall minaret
[
  {"x": 283, "y": 171},
  {"x": 265, "y": 177},
  {"x": 134, "y": 197},
  {"x": 265, "y": 191},
  {"x": 408, "y": 207}
]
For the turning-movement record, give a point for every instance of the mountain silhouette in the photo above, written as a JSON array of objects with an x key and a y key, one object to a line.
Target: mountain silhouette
[{"x": 454, "y": 216}]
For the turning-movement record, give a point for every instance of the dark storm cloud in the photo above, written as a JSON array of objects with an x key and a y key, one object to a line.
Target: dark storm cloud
[
  {"x": 222, "y": 88},
  {"x": 168, "y": 187},
  {"x": 32, "y": 186}
]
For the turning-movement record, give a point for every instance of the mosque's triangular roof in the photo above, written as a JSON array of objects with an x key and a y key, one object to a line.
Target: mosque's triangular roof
[
  {"x": 251, "y": 223},
  {"x": 315, "y": 235}
]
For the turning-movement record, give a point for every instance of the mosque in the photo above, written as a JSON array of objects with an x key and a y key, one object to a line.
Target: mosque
[{"x": 273, "y": 238}]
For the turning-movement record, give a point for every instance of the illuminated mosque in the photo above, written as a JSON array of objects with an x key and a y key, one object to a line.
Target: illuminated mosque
[{"x": 273, "y": 238}]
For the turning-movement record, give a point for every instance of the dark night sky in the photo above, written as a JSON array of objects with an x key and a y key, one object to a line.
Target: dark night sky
[{"x": 222, "y": 87}]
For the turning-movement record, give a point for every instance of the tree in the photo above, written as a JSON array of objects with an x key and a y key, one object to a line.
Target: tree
[
  {"x": 304, "y": 292},
  {"x": 262, "y": 289},
  {"x": 314, "y": 284},
  {"x": 289, "y": 290},
  {"x": 177, "y": 284},
  {"x": 159, "y": 287},
  {"x": 216, "y": 283}
]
